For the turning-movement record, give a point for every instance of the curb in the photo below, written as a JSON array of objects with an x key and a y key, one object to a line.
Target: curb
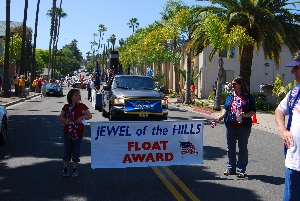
[{"x": 20, "y": 100}]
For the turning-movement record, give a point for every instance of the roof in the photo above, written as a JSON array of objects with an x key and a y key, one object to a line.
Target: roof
[{"x": 12, "y": 25}]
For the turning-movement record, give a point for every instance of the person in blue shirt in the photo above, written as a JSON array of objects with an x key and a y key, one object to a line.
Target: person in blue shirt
[{"x": 238, "y": 109}]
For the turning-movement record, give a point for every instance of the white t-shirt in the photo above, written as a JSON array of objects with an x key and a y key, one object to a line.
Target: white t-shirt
[
  {"x": 292, "y": 159},
  {"x": 92, "y": 84}
]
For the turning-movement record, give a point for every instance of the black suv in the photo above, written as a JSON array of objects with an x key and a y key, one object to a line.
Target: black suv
[{"x": 133, "y": 97}]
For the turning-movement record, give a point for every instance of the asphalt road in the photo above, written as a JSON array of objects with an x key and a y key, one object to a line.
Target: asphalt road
[{"x": 31, "y": 164}]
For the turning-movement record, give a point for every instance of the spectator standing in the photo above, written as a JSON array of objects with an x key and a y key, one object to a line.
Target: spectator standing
[
  {"x": 290, "y": 134},
  {"x": 239, "y": 107},
  {"x": 40, "y": 82},
  {"x": 261, "y": 87},
  {"x": 73, "y": 116},
  {"x": 43, "y": 88},
  {"x": 88, "y": 87},
  {"x": 92, "y": 85},
  {"x": 22, "y": 86},
  {"x": 10, "y": 82},
  {"x": 192, "y": 88},
  {"x": 16, "y": 84},
  {"x": 227, "y": 89}
]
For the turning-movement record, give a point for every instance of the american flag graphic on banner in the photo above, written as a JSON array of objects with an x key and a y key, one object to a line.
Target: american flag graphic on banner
[{"x": 188, "y": 147}]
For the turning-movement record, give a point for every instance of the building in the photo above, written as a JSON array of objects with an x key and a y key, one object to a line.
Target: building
[
  {"x": 263, "y": 71},
  {"x": 11, "y": 70}
]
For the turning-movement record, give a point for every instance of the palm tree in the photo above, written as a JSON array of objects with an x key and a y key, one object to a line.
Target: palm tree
[
  {"x": 133, "y": 24},
  {"x": 101, "y": 31},
  {"x": 60, "y": 14},
  {"x": 269, "y": 23},
  {"x": 212, "y": 32},
  {"x": 121, "y": 42},
  {"x": 24, "y": 39},
  {"x": 34, "y": 40},
  {"x": 112, "y": 39},
  {"x": 6, "y": 53}
]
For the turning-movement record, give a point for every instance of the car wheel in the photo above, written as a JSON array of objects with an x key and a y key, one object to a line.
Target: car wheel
[
  {"x": 111, "y": 117},
  {"x": 105, "y": 114},
  {"x": 3, "y": 134}
]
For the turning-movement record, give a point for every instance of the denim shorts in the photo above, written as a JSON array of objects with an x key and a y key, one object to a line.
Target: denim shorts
[
  {"x": 72, "y": 148},
  {"x": 291, "y": 185}
]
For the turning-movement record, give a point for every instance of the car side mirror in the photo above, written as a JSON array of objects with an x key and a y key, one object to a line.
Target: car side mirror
[{"x": 162, "y": 88}]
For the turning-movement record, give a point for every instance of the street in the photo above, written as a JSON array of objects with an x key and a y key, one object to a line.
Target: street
[{"x": 31, "y": 164}]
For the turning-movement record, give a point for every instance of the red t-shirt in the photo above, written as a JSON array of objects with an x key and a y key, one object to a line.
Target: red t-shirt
[
  {"x": 78, "y": 112},
  {"x": 39, "y": 82}
]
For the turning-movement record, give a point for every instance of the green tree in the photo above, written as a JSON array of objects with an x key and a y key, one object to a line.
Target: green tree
[
  {"x": 171, "y": 8},
  {"x": 269, "y": 23}
]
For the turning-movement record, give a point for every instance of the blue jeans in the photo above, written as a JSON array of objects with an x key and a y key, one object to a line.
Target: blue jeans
[
  {"x": 72, "y": 147},
  {"x": 238, "y": 135},
  {"x": 291, "y": 185}
]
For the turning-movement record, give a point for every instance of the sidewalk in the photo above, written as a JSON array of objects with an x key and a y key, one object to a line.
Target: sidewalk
[
  {"x": 14, "y": 99},
  {"x": 265, "y": 122}
]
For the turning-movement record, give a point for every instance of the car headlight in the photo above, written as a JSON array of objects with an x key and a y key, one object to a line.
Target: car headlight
[
  {"x": 47, "y": 90},
  {"x": 119, "y": 101},
  {"x": 165, "y": 101}
]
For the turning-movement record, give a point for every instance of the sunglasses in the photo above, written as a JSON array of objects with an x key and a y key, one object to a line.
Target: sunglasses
[
  {"x": 296, "y": 67},
  {"x": 233, "y": 84}
]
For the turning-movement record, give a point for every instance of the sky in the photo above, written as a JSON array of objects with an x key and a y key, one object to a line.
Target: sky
[{"x": 85, "y": 16}]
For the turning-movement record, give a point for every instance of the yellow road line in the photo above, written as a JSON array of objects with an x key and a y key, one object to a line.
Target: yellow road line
[
  {"x": 181, "y": 184},
  {"x": 168, "y": 184}
]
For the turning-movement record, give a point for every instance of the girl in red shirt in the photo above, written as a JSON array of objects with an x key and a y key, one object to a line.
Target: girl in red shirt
[{"x": 72, "y": 116}]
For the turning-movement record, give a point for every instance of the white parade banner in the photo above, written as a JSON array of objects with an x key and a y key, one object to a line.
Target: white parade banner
[{"x": 122, "y": 144}]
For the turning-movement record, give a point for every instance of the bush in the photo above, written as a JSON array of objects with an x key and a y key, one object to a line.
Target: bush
[
  {"x": 262, "y": 105},
  {"x": 223, "y": 97},
  {"x": 259, "y": 96}
]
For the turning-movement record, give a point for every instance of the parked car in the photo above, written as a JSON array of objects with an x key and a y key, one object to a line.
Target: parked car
[
  {"x": 133, "y": 97},
  {"x": 54, "y": 89},
  {"x": 3, "y": 124}
]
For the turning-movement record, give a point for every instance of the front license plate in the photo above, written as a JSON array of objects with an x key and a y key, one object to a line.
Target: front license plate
[
  {"x": 51, "y": 92},
  {"x": 143, "y": 115}
]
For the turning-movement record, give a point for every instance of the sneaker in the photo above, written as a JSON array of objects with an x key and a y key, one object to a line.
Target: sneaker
[
  {"x": 241, "y": 175},
  {"x": 228, "y": 172},
  {"x": 74, "y": 172},
  {"x": 65, "y": 172}
]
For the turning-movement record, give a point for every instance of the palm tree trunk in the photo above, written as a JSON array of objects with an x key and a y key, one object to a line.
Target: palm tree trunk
[
  {"x": 217, "y": 100},
  {"x": 246, "y": 64},
  {"x": 51, "y": 35},
  {"x": 57, "y": 36},
  {"x": 23, "y": 39},
  {"x": 34, "y": 40},
  {"x": 6, "y": 53},
  {"x": 188, "y": 76}
]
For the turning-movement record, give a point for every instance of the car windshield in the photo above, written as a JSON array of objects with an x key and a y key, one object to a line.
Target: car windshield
[
  {"x": 53, "y": 85},
  {"x": 134, "y": 83}
]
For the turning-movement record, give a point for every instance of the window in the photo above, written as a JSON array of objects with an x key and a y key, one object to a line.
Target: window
[
  {"x": 232, "y": 53},
  {"x": 228, "y": 75}
]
